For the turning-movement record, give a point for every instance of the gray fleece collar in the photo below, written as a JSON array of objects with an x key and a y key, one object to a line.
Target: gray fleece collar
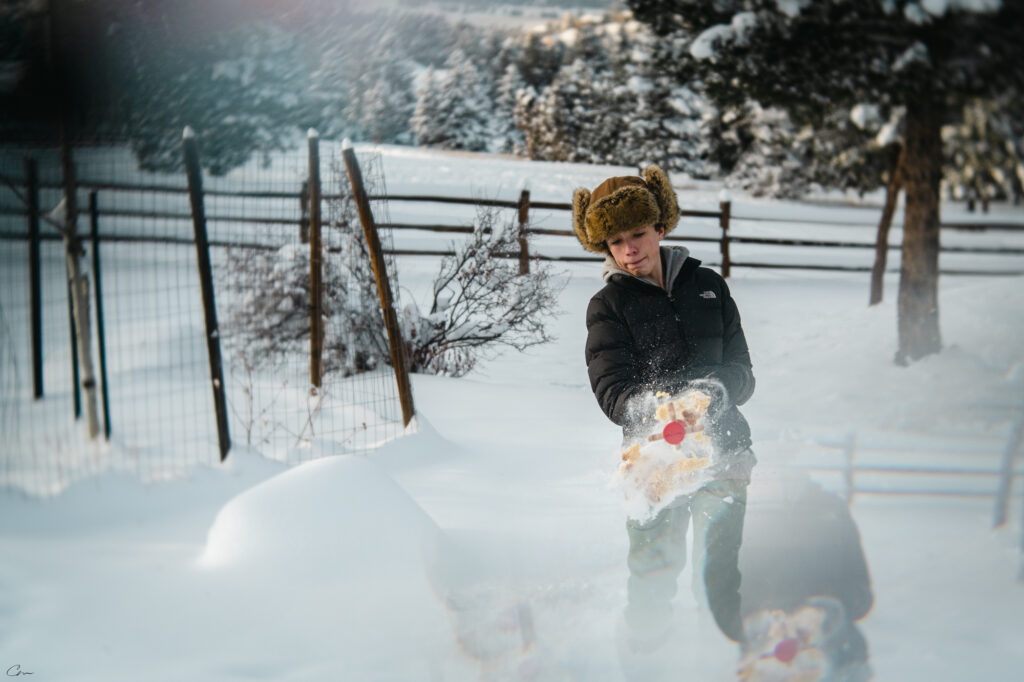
[{"x": 672, "y": 259}]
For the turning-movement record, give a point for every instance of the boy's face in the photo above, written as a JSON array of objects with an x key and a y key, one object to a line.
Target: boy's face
[{"x": 637, "y": 251}]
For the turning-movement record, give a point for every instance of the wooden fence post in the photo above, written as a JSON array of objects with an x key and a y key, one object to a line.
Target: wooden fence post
[
  {"x": 355, "y": 177},
  {"x": 524, "y": 220},
  {"x": 35, "y": 276},
  {"x": 78, "y": 284},
  {"x": 195, "y": 193},
  {"x": 78, "y": 297},
  {"x": 316, "y": 267},
  {"x": 94, "y": 230},
  {"x": 725, "y": 205}
]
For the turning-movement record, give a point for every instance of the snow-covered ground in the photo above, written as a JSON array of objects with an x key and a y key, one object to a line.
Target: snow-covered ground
[{"x": 490, "y": 543}]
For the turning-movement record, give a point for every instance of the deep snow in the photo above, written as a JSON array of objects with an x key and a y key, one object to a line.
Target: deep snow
[{"x": 490, "y": 541}]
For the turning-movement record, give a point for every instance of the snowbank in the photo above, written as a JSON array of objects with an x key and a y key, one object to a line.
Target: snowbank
[{"x": 334, "y": 516}]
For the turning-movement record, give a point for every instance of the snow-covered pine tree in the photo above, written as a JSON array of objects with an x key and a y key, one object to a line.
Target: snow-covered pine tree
[
  {"x": 505, "y": 136},
  {"x": 453, "y": 108},
  {"x": 268, "y": 319},
  {"x": 540, "y": 59},
  {"x": 381, "y": 98},
  {"x": 985, "y": 151},
  {"x": 468, "y": 91},
  {"x": 666, "y": 122},
  {"x": 387, "y": 104},
  {"x": 615, "y": 100},
  {"x": 242, "y": 91},
  {"x": 561, "y": 123},
  {"x": 426, "y": 123},
  {"x": 774, "y": 160},
  {"x": 811, "y": 57}
]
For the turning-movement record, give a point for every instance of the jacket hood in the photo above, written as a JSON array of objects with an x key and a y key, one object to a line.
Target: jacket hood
[{"x": 672, "y": 259}]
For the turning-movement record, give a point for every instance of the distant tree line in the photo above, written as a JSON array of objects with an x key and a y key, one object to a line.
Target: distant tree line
[
  {"x": 607, "y": 89},
  {"x": 947, "y": 73}
]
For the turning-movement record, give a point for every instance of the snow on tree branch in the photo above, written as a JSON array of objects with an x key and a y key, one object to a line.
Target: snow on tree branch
[{"x": 479, "y": 301}]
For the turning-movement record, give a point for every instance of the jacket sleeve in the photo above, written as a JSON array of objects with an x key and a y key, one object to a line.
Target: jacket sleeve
[
  {"x": 610, "y": 361},
  {"x": 736, "y": 371}
]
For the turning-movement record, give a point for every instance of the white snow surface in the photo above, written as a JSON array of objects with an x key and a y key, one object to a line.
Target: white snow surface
[
  {"x": 705, "y": 45},
  {"x": 940, "y": 7},
  {"x": 489, "y": 543},
  {"x": 791, "y": 8},
  {"x": 866, "y": 116}
]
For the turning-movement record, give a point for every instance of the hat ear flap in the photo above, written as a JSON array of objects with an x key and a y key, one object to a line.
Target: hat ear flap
[
  {"x": 659, "y": 185},
  {"x": 580, "y": 204}
]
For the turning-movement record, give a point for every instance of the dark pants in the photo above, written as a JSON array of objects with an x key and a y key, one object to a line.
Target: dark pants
[{"x": 657, "y": 554}]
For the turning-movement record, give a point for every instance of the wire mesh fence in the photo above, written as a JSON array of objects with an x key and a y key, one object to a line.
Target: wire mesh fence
[
  {"x": 39, "y": 434},
  {"x": 150, "y": 316}
]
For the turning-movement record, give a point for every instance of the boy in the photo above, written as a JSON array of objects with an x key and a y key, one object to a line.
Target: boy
[{"x": 661, "y": 322}]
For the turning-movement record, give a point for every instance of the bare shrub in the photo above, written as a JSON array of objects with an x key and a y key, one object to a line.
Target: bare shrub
[{"x": 479, "y": 301}]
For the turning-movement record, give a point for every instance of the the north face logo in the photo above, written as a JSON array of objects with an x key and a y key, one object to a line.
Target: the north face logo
[{"x": 708, "y": 294}]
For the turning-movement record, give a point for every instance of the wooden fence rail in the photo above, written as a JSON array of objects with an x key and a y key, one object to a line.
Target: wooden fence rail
[
  {"x": 524, "y": 204},
  {"x": 852, "y": 467},
  {"x": 1003, "y": 477}
]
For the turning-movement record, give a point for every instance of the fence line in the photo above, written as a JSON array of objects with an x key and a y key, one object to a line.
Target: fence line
[
  {"x": 1004, "y": 475},
  {"x": 524, "y": 204},
  {"x": 153, "y": 331},
  {"x": 725, "y": 240}
]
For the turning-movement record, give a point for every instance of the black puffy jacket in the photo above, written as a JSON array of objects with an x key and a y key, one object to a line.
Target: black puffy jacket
[{"x": 642, "y": 339}]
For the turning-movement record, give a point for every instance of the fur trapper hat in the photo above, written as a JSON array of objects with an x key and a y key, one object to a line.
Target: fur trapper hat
[{"x": 623, "y": 203}]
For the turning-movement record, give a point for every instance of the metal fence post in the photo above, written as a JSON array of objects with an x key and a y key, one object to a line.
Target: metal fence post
[
  {"x": 316, "y": 267},
  {"x": 94, "y": 230},
  {"x": 1020, "y": 574},
  {"x": 1005, "y": 490},
  {"x": 304, "y": 212},
  {"x": 195, "y": 191},
  {"x": 524, "y": 220},
  {"x": 355, "y": 177},
  {"x": 76, "y": 387},
  {"x": 848, "y": 454},
  {"x": 35, "y": 276},
  {"x": 725, "y": 205}
]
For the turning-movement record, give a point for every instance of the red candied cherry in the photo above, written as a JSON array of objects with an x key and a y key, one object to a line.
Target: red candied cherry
[
  {"x": 674, "y": 432},
  {"x": 786, "y": 650}
]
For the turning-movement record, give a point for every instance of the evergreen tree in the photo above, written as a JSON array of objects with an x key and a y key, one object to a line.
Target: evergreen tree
[
  {"x": 506, "y": 137},
  {"x": 540, "y": 60},
  {"x": 668, "y": 119},
  {"x": 617, "y": 102},
  {"x": 242, "y": 91},
  {"x": 427, "y": 124},
  {"x": 985, "y": 151},
  {"x": 453, "y": 108},
  {"x": 564, "y": 122},
  {"x": 811, "y": 57},
  {"x": 381, "y": 101},
  {"x": 774, "y": 162},
  {"x": 859, "y": 150}
]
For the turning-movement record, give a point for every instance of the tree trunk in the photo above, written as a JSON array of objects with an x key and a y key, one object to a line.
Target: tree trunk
[
  {"x": 919, "y": 271},
  {"x": 892, "y": 192}
]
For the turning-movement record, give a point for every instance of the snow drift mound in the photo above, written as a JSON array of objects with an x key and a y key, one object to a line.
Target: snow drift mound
[
  {"x": 330, "y": 556},
  {"x": 337, "y": 515}
]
